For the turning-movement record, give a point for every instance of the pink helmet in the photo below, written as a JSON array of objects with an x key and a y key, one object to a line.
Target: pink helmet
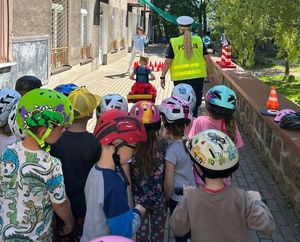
[
  {"x": 175, "y": 109},
  {"x": 111, "y": 238},
  {"x": 282, "y": 113},
  {"x": 147, "y": 113}
]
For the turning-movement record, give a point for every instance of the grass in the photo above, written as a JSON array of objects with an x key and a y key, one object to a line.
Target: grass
[{"x": 273, "y": 74}]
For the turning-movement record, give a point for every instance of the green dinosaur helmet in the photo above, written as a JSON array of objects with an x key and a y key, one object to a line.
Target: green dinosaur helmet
[{"x": 43, "y": 107}]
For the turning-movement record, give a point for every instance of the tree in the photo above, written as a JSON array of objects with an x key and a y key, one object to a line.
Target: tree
[
  {"x": 247, "y": 22},
  {"x": 244, "y": 22},
  {"x": 287, "y": 31}
]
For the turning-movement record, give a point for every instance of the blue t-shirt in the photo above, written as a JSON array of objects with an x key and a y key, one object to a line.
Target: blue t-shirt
[
  {"x": 142, "y": 74},
  {"x": 108, "y": 212}
]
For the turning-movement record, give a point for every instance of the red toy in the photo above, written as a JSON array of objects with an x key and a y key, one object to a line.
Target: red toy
[{"x": 142, "y": 91}]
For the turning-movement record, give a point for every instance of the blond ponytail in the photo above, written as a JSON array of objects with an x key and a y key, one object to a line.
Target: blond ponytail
[{"x": 187, "y": 42}]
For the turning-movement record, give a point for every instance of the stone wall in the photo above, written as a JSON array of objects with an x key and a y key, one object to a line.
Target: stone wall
[{"x": 279, "y": 149}]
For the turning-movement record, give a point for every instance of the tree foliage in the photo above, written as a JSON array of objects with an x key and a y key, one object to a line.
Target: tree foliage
[
  {"x": 247, "y": 22},
  {"x": 176, "y": 8}
]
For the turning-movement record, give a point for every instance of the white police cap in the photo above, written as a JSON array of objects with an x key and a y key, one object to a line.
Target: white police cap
[{"x": 185, "y": 21}]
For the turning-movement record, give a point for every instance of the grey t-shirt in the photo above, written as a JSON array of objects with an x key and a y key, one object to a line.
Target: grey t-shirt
[{"x": 183, "y": 173}]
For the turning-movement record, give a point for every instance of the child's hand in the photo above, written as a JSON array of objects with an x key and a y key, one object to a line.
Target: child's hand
[
  {"x": 254, "y": 195},
  {"x": 141, "y": 209},
  {"x": 187, "y": 189}
]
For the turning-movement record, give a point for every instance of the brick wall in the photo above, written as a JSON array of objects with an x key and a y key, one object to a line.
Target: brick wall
[{"x": 278, "y": 149}]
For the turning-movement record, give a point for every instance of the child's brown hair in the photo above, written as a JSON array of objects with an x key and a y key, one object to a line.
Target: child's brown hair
[
  {"x": 144, "y": 156},
  {"x": 176, "y": 129},
  {"x": 219, "y": 113}
]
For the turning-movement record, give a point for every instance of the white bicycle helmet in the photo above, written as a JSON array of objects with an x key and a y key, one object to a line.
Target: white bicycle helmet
[
  {"x": 175, "y": 109},
  {"x": 214, "y": 152},
  {"x": 186, "y": 92},
  {"x": 111, "y": 101},
  {"x": 8, "y": 99},
  {"x": 14, "y": 127}
]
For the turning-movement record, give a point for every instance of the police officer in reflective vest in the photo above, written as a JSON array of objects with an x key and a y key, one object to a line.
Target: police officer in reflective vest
[{"x": 187, "y": 59}]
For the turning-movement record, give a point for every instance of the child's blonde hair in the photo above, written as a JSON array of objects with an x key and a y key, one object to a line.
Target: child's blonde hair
[{"x": 144, "y": 59}]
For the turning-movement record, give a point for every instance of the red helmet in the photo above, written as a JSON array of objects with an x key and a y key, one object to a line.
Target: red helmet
[{"x": 117, "y": 124}]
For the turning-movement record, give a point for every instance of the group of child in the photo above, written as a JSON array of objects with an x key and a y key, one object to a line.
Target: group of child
[{"x": 153, "y": 149}]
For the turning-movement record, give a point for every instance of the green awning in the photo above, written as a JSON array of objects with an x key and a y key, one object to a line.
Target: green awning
[{"x": 165, "y": 15}]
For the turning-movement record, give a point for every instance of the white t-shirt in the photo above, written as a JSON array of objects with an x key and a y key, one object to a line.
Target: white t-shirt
[
  {"x": 29, "y": 182},
  {"x": 139, "y": 41}
]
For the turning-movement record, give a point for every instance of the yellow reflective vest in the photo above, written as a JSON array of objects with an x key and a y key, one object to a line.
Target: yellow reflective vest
[{"x": 183, "y": 68}]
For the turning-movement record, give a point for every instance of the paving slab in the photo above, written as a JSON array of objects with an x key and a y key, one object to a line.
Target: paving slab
[{"x": 252, "y": 174}]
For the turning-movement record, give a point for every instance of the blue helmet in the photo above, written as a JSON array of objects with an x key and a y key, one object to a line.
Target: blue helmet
[
  {"x": 222, "y": 97},
  {"x": 66, "y": 88}
]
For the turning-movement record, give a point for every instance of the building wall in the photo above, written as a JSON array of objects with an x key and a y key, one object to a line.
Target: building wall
[
  {"x": 31, "y": 24},
  {"x": 31, "y": 31},
  {"x": 31, "y": 18}
]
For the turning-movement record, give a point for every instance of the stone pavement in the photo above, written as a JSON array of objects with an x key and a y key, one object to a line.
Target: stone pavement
[{"x": 252, "y": 174}]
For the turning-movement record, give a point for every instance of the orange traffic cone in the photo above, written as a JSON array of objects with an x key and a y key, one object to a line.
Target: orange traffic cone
[
  {"x": 158, "y": 67},
  {"x": 136, "y": 64},
  {"x": 150, "y": 64},
  {"x": 155, "y": 64},
  {"x": 272, "y": 102},
  {"x": 226, "y": 58}
]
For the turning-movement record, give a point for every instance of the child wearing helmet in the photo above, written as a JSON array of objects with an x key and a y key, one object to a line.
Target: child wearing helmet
[
  {"x": 147, "y": 173},
  {"x": 176, "y": 117},
  {"x": 220, "y": 102},
  {"x": 12, "y": 122},
  {"x": 111, "y": 101},
  {"x": 8, "y": 99},
  {"x": 27, "y": 83},
  {"x": 108, "y": 212},
  {"x": 78, "y": 150},
  {"x": 216, "y": 212},
  {"x": 185, "y": 92},
  {"x": 31, "y": 179},
  {"x": 141, "y": 75},
  {"x": 66, "y": 89}
]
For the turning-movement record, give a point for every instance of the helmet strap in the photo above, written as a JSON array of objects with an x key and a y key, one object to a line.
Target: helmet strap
[
  {"x": 198, "y": 173},
  {"x": 119, "y": 168},
  {"x": 41, "y": 141}
]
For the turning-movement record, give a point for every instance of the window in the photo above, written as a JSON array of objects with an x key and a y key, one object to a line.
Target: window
[
  {"x": 59, "y": 52},
  {"x": 4, "y": 31},
  {"x": 84, "y": 22}
]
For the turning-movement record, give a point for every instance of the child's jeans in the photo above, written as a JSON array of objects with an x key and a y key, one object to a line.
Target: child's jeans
[{"x": 184, "y": 238}]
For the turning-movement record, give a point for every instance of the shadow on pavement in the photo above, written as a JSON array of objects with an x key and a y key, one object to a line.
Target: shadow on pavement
[{"x": 117, "y": 76}]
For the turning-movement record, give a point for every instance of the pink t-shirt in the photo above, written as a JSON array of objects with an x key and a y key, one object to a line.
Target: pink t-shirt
[{"x": 205, "y": 122}]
